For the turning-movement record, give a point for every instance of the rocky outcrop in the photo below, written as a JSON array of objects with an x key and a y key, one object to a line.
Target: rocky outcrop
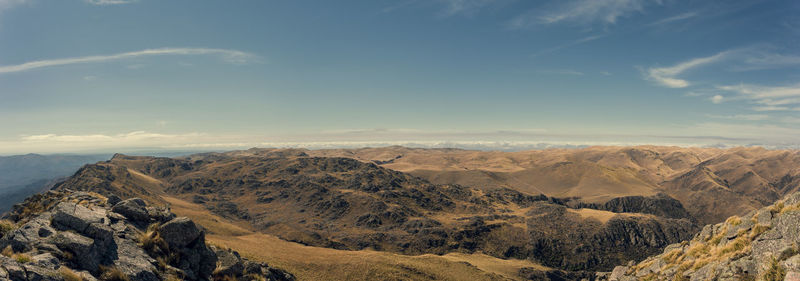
[
  {"x": 762, "y": 245},
  {"x": 661, "y": 205},
  {"x": 80, "y": 236}
]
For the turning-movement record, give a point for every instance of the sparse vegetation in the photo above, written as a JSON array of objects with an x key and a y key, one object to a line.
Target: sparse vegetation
[
  {"x": 112, "y": 273},
  {"x": 69, "y": 275},
  {"x": 790, "y": 208},
  {"x": 150, "y": 240},
  {"x": 734, "y": 220},
  {"x": 6, "y": 226},
  {"x": 7, "y": 251},
  {"x": 22, "y": 258},
  {"x": 774, "y": 271}
]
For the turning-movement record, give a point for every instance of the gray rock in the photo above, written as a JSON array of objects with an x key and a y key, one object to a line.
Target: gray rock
[
  {"x": 15, "y": 270},
  {"x": 179, "y": 232},
  {"x": 100, "y": 232},
  {"x": 274, "y": 274},
  {"x": 79, "y": 246},
  {"x": 229, "y": 263},
  {"x": 46, "y": 260},
  {"x": 792, "y": 263},
  {"x": 134, "y": 262},
  {"x": 35, "y": 273},
  {"x": 133, "y": 209},
  {"x": 76, "y": 217},
  {"x": 618, "y": 273},
  {"x": 113, "y": 199},
  {"x": 23, "y": 238},
  {"x": 792, "y": 275}
]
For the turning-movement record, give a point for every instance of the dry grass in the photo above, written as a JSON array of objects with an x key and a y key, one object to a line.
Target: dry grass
[
  {"x": 313, "y": 263},
  {"x": 734, "y": 220},
  {"x": 774, "y": 271},
  {"x": 111, "y": 273},
  {"x": 22, "y": 258},
  {"x": 702, "y": 253},
  {"x": 6, "y": 226},
  {"x": 7, "y": 251},
  {"x": 150, "y": 240},
  {"x": 211, "y": 222},
  {"x": 790, "y": 208},
  {"x": 68, "y": 275}
]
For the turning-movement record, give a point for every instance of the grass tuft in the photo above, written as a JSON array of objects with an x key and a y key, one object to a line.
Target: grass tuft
[
  {"x": 734, "y": 220},
  {"x": 6, "y": 226},
  {"x": 112, "y": 273},
  {"x": 68, "y": 275},
  {"x": 774, "y": 271},
  {"x": 22, "y": 258},
  {"x": 151, "y": 241}
]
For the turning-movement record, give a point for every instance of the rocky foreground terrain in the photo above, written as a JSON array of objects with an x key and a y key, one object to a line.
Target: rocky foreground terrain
[
  {"x": 761, "y": 245},
  {"x": 66, "y": 235}
]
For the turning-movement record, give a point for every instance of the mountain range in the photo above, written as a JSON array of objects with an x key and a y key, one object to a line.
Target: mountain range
[{"x": 421, "y": 214}]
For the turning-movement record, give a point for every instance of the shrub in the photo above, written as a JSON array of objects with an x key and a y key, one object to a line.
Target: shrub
[{"x": 111, "y": 273}]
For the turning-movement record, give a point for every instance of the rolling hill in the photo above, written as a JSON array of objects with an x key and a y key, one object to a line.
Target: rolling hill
[{"x": 343, "y": 204}]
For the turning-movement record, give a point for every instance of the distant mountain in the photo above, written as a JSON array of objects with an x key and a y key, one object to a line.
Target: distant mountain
[{"x": 23, "y": 175}]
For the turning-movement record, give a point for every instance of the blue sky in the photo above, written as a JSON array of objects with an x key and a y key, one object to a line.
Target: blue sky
[{"x": 115, "y": 75}]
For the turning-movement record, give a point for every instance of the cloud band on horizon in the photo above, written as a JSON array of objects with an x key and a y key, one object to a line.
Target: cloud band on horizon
[{"x": 230, "y": 56}]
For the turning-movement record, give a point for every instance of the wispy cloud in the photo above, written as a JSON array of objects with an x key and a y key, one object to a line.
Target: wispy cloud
[
  {"x": 109, "y": 2},
  {"x": 750, "y": 58},
  {"x": 137, "y": 136},
  {"x": 766, "y": 98},
  {"x": 567, "y": 45},
  {"x": 230, "y": 56},
  {"x": 667, "y": 76},
  {"x": 562, "y": 72},
  {"x": 744, "y": 117},
  {"x": 454, "y": 7},
  {"x": 582, "y": 11},
  {"x": 675, "y": 18}
]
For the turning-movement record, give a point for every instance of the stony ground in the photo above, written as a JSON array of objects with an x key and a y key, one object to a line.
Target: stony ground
[
  {"x": 85, "y": 236},
  {"x": 762, "y": 245}
]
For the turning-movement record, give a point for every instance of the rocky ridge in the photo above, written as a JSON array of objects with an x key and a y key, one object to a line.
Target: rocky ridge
[
  {"x": 68, "y": 235},
  {"x": 762, "y": 245}
]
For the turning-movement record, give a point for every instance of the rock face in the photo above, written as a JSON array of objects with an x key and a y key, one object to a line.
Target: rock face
[
  {"x": 762, "y": 245},
  {"x": 67, "y": 235}
]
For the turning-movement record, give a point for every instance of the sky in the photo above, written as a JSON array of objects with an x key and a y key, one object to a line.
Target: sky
[{"x": 123, "y": 75}]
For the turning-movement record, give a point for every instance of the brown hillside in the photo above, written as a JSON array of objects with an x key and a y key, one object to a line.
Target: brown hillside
[{"x": 712, "y": 183}]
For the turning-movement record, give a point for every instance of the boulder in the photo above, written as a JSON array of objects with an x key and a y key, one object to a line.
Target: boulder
[
  {"x": 79, "y": 246},
  {"x": 46, "y": 260},
  {"x": 133, "y": 209},
  {"x": 179, "y": 232},
  {"x": 76, "y": 217},
  {"x": 229, "y": 263},
  {"x": 134, "y": 262}
]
